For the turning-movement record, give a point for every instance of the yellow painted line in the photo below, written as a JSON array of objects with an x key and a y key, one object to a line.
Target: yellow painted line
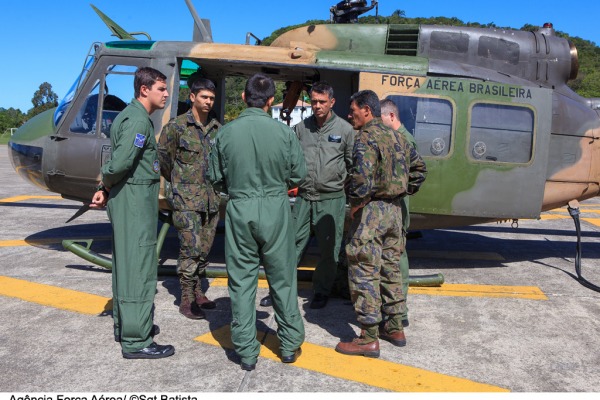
[
  {"x": 462, "y": 290},
  {"x": 21, "y": 198},
  {"x": 566, "y": 211},
  {"x": 262, "y": 283},
  {"x": 52, "y": 296},
  {"x": 553, "y": 216},
  {"x": 456, "y": 255},
  {"x": 593, "y": 221},
  {"x": 37, "y": 242},
  {"x": 447, "y": 289},
  {"x": 370, "y": 371}
]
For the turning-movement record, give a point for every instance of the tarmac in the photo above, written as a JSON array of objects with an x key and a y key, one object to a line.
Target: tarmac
[{"x": 511, "y": 315}]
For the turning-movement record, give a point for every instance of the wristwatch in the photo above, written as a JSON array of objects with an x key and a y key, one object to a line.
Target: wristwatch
[{"x": 102, "y": 188}]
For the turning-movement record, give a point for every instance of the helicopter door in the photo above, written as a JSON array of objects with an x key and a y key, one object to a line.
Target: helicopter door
[
  {"x": 82, "y": 143},
  {"x": 485, "y": 144}
]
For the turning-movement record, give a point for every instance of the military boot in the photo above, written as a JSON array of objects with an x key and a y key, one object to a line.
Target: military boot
[
  {"x": 391, "y": 331},
  {"x": 201, "y": 300},
  {"x": 365, "y": 345},
  {"x": 188, "y": 306}
]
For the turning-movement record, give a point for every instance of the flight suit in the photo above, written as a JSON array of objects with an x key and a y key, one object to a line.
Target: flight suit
[
  {"x": 404, "y": 204},
  {"x": 381, "y": 177},
  {"x": 133, "y": 176},
  {"x": 256, "y": 159},
  {"x": 183, "y": 151},
  {"x": 321, "y": 201}
]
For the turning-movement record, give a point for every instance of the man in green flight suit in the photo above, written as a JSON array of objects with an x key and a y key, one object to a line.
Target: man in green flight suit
[
  {"x": 256, "y": 159},
  {"x": 183, "y": 151},
  {"x": 129, "y": 186},
  {"x": 391, "y": 118}
]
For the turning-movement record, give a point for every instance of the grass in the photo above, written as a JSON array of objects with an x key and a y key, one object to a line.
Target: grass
[{"x": 4, "y": 138}]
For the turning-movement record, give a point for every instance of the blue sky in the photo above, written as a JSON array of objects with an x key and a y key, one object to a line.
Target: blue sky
[{"x": 47, "y": 41}]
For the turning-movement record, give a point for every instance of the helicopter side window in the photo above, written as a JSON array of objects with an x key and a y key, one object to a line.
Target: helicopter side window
[
  {"x": 501, "y": 133},
  {"x": 429, "y": 120}
]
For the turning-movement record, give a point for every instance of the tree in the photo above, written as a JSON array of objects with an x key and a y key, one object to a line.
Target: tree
[
  {"x": 11, "y": 118},
  {"x": 43, "y": 99}
]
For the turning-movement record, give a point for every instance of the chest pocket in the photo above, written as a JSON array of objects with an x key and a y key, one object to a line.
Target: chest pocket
[{"x": 190, "y": 150}]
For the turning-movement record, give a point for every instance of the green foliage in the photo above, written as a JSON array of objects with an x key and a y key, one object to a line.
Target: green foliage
[
  {"x": 43, "y": 99},
  {"x": 10, "y": 118}
]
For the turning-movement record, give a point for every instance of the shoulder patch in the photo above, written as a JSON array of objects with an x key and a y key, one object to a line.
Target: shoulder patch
[{"x": 139, "y": 140}]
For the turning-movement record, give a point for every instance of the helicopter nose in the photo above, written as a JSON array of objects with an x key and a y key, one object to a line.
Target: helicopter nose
[{"x": 26, "y": 148}]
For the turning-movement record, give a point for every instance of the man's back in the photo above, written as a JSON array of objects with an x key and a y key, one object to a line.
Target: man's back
[{"x": 260, "y": 156}]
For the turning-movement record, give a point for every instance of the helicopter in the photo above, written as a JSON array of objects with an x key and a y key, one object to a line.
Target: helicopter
[{"x": 503, "y": 136}]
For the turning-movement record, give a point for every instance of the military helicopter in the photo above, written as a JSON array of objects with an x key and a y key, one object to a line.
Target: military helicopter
[{"x": 502, "y": 134}]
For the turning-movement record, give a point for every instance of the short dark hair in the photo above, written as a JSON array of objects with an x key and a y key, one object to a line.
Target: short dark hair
[
  {"x": 202, "y": 84},
  {"x": 367, "y": 98},
  {"x": 322, "y": 87},
  {"x": 388, "y": 107},
  {"x": 146, "y": 76},
  {"x": 259, "y": 89}
]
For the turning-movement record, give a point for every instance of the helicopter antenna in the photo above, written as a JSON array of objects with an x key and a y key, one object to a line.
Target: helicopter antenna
[
  {"x": 347, "y": 11},
  {"x": 116, "y": 29},
  {"x": 204, "y": 33}
]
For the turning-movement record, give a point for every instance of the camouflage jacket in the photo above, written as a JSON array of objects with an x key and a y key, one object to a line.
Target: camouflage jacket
[
  {"x": 183, "y": 150},
  {"x": 385, "y": 165}
]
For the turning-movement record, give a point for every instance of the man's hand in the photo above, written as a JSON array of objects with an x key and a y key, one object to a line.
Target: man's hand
[
  {"x": 354, "y": 209},
  {"x": 99, "y": 200}
]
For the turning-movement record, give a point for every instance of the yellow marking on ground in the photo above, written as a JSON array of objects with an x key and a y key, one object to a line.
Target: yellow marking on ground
[
  {"x": 25, "y": 197},
  {"x": 456, "y": 255},
  {"x": 37, "y": 242},
  {"x": 370, "y": 371},
  {"x": 262, "y": 283},
  {"x": 593, "y": 221},
  {"x": 52, "y": 296},
  {"x": 553, "y": 216},
  {"x": 447, "y": 289},
  {"x": 566, "y": 211},
  {"x": 463, "y": 290}
]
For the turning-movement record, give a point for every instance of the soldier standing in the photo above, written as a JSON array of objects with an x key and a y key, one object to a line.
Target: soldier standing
[
  {"x": 183, "y": 150},
  {"x": 130, "y": 184},
  {"x": 256, "y": 159},
  {"x": 326, "y": 141},
  {"x": 391, "y": 119},
  {"x": 381, "y": 177}
]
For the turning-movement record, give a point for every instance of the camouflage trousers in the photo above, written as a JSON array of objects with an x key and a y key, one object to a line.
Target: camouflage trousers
[
  {"x": 375, "y": 244},
  {"x": 196, "y": 232}
]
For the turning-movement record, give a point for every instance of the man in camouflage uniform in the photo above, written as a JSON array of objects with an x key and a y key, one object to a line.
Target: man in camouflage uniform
[
  {"x": 183, "y": 150},
  {"x": 391, "y": 118},
  {"x": 381, "y": 176}
]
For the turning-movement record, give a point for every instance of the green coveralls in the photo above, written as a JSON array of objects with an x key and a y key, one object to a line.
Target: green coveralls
[
  {"x": 321, "y": 202},
  {"x": 133, "y": 176},
  {"x": 256, "y": 159},
  {"x": 404, "y": 204}
]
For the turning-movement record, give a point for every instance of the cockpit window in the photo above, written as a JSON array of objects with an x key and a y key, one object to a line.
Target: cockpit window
[
  {"x": 66, "y": 100},
  {"x": 105, "y": 101}
]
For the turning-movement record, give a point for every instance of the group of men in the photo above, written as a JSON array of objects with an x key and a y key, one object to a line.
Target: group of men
[{"x": 255, "y": 160}]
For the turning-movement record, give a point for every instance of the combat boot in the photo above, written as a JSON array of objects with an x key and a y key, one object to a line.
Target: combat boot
[
  {"x": 392, "y": 332},
  {"x": 188, "y": 306},
  {"x": 361, "y": 346},
  {"x": 201, "y": 300}
]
